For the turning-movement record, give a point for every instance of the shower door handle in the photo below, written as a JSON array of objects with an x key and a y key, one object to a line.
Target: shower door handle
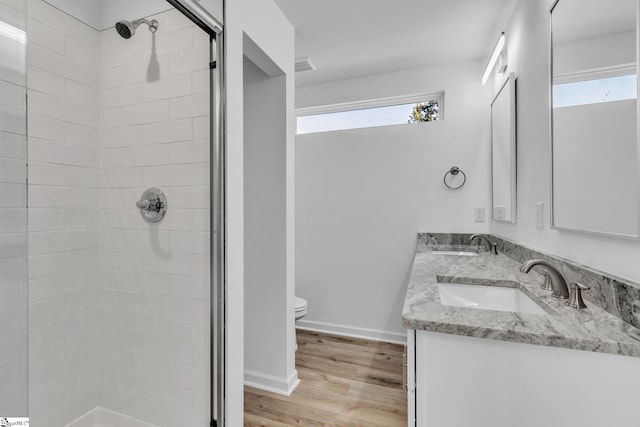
[{"x": 152, "y": 205}]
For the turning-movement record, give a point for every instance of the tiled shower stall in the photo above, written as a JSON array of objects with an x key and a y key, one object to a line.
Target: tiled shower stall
[{"x": 117, "y": 327}]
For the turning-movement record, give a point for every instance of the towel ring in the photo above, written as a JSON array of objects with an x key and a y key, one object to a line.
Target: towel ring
[{"x": 455, "y": 171}]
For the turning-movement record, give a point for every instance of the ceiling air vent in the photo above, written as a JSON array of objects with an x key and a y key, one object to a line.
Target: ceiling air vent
[{"x": 304, "y": 64}]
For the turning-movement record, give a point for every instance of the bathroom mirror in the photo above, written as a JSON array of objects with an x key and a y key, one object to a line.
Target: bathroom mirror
[
  {"x": 503, "y": 152},
  {"x": 595, "y": 183}
]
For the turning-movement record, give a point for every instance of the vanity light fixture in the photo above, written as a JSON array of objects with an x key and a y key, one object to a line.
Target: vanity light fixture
[{"x": 494, "y": 58}]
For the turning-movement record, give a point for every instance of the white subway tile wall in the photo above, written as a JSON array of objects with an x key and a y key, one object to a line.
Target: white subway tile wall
[
  {"x": 155, "y": 282},
  {"x": 13, "y": 216},
  {"x": 65, "y": 317},
  {"x": 119, "y": 308}
]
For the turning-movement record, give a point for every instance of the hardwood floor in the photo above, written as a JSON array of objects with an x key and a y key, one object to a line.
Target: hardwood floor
[{"x": 343, "y": 382}]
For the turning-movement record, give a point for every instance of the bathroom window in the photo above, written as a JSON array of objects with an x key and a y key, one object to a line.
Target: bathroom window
[
  {"x": 382, "y": 112},
  {"x": 594, "y": 91}
]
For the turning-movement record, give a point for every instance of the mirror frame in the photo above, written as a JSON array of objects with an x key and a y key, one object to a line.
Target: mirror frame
[
  {"x": 510, "y": 82},
  {"x": 553, "y": 225}
]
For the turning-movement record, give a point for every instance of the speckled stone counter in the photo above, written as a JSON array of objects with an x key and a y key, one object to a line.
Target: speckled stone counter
[{"x": 591, "y": 329}]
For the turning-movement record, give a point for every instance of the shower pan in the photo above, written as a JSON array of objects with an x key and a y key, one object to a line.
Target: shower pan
[{"x": 111, "y": 213}]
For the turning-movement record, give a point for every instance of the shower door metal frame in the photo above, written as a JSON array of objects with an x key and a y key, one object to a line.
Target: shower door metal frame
[{"x": 217, "y": 172}]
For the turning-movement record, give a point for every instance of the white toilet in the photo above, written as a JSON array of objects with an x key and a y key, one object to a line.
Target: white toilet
[
  {"x": 301, "y": 311},
  {"x": 301, "y": 307}
]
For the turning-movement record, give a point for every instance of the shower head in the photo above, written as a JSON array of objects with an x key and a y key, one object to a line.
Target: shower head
[{"x": 127, "y": 29}]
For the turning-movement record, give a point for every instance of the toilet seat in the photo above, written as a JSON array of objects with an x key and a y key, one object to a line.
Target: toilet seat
[
  {"x": 300, "y": 303},
  {"x": 300, "y": 307}
]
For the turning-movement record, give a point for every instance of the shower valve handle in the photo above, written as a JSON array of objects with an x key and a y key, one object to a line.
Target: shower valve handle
[
  {"x": 152, "y": 205},
  {"x": 149, "y": 205}
]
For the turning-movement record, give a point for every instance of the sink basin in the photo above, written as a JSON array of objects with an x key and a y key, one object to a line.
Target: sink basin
[
  {"x": 455, "y": 253},
  {"x": 487, "y": 297}
]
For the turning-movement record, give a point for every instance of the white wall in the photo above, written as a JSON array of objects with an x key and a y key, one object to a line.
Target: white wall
[
  {"x": 528, "y": 45},
  {"x": 267, "y": 317},
  {"x": 265, "y": 24},
  {"x": 65, "y": 365},
  {"x": 13, "y": 216},
  {"x": 363, "y": 194}
]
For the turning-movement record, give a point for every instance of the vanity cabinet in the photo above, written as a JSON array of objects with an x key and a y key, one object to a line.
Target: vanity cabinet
[{"x": 461, "y": 381}]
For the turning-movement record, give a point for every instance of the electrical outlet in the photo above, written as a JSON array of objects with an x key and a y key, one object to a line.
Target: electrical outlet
[
  {"x": 479, "y": 214},
  {"x": 499, "y": 212},
  {"x": 540, "y": 215}
]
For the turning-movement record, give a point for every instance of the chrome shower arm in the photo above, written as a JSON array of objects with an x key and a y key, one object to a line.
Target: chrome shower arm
[{"x": 153, "y": 24}]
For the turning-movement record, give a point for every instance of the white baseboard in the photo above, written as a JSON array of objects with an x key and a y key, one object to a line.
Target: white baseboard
[
  {"x": 278, "y": 385},
  {"x": 352, "y": 331}
]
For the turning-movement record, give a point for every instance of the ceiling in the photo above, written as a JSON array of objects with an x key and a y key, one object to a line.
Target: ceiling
[{"x": 349, "y": 38}]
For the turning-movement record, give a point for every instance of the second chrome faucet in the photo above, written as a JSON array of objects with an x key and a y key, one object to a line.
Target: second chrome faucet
[
  {"x": 492, "y": 246},
  {"x": 559, "y": 285}
]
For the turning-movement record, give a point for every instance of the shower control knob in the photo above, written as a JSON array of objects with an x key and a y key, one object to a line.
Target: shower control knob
[
  {"x": 149, "y": 205},
  {"x": 152, "y": 205},
  {"x": 143, "y": 204}
]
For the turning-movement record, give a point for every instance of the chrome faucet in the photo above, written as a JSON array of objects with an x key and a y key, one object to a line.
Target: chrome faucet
[
  {"x": 493, "y": 246},
  {"x": 560, "y": 289}
]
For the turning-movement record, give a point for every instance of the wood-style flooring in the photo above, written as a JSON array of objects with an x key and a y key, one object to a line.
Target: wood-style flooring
[{"x": 343, "y": 382}]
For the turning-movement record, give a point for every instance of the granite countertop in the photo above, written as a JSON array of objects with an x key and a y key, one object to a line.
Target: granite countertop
[{"x": 591, "y": 329}]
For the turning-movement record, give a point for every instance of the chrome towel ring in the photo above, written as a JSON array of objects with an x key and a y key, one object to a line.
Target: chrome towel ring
[{"x": 453, "y": 172}]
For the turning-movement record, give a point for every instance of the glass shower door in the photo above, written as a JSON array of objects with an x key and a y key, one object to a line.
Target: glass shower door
[
  {"x": 120, "y": 132},
  {"x": 155, "y": 133}
]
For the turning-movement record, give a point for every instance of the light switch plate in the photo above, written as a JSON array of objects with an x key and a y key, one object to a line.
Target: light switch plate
[{"x": 479, "y": 214}]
